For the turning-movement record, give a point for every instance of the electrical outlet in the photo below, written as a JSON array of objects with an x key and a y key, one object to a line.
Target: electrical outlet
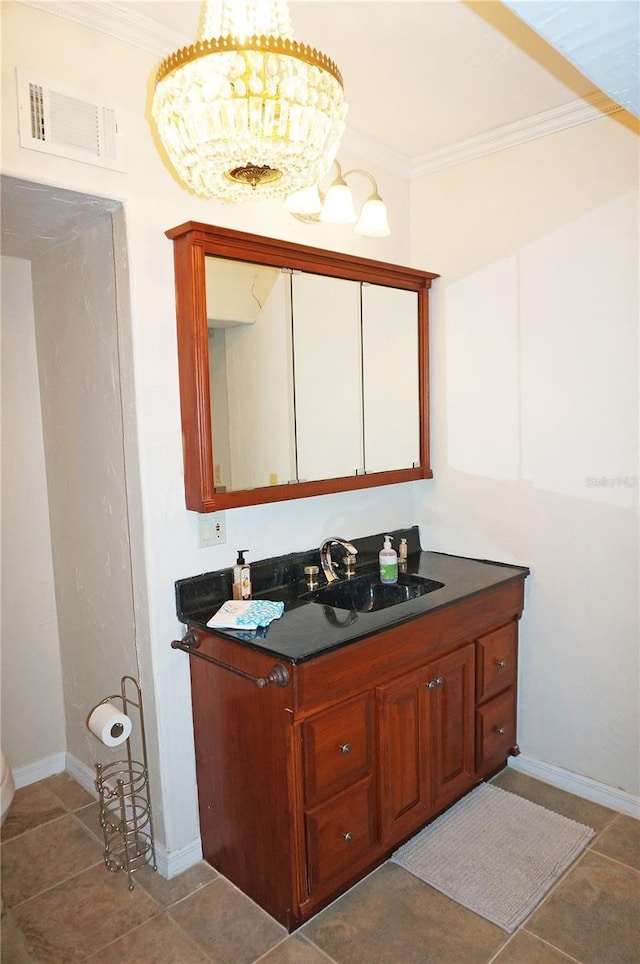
[{"x": 212, "y": 529}]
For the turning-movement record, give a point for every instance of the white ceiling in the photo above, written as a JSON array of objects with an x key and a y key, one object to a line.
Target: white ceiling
[
  {"x": 428, "y": 82},
  {"x": 601, "y": 38},
  {"x": 425, "y": 76},
  {"x": 419, "y": 76}
]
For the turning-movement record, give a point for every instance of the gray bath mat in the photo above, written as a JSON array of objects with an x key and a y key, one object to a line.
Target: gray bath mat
[{"x": 495, "y": 853}]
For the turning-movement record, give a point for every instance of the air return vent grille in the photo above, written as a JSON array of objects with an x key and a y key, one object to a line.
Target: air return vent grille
[{"x": 67, "y": 125}]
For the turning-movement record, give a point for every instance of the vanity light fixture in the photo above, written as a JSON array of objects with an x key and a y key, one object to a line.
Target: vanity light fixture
[
  {"x": 246, "y": 112},
  {"x": 337, "y": 207}
]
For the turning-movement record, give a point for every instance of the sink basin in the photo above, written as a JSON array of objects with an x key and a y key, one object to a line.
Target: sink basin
[{"x": 366, "y": 594}]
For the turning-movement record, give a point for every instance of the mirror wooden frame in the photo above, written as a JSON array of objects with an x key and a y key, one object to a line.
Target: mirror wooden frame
[{"x": 192, "y": 243}]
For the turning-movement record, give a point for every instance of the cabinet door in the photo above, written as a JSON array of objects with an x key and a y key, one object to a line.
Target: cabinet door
[
  {"x": 451, "y": 687},
  {"x": 251, "y": 387},
  {"x": 391, "y": 388},
  {"x": 404, "y": 760},
  {"x": 327, "y": 377},
  {"x": 427, "y": 748}
]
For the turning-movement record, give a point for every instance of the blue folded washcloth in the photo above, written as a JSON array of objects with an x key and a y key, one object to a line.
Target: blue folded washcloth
[{"x": 246, "y": 614}]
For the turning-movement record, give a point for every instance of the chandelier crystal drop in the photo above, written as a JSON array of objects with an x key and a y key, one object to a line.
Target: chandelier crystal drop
[{"x": 246, "y": 113}]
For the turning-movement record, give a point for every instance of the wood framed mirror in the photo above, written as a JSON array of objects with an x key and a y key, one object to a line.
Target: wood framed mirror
[{"x": 302, "y": 371}]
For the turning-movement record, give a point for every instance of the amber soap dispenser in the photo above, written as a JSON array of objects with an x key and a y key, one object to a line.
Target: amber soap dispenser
[{"x": 241, "y": 577}]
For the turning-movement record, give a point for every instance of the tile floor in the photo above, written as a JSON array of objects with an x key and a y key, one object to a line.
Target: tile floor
[{"x": 61, "y": 906}]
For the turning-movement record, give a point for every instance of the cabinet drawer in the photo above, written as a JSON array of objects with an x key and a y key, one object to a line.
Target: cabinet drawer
[
  {"x": 495, "y": 730},
  {"x": 497, "y": 661},
  {"x": 337, "y": 748},
  {"x": 339, "y": 833}
]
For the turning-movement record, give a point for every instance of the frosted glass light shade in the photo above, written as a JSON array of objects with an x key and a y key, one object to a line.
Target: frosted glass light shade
[
  {"x": 338, "y": 205},
  {"x": 306, "y": 201},
  {"x": 250, "y": 114},
  {"x": 373, "y": 221}
]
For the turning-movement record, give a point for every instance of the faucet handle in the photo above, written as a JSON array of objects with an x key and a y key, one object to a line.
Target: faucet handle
[
  {"x": 311, "y": 576},
  {"x": 349, "y": 565}
]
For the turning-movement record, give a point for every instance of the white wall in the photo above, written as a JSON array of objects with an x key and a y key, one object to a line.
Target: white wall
[
  {"x": 535, "y": 420},
  {"x": 165, "y": 540},
  {"x": 32, "y": 710},
  {"x": 77, "y": 340}
]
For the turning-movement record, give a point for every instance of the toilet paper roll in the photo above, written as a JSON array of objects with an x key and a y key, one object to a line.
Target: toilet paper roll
[{"x": 109, "y": 724}]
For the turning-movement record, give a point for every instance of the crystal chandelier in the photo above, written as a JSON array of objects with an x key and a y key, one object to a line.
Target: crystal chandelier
[{"x": 247, "y": 113}]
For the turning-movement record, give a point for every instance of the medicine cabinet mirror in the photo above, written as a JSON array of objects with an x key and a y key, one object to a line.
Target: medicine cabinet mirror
[{"x": 302, "y": 371}]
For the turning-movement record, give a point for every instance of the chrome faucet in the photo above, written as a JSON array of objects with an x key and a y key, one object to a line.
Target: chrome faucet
[{"x": 328, "y": 567}]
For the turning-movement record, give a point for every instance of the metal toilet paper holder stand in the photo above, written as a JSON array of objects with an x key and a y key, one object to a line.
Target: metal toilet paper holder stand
[{"x": 125, "y": 800}]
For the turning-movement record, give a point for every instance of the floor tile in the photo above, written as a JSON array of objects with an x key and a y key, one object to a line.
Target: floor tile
[
  {"x": 593, "y": 914},
  {"x": 69, "y": 791},
  {"x": 168, "y": 892},
  {"x": 575, "y": 808},
  {"x": 45, "y": 856},
  {"x": 393, "y": 917},
  {"x": 90, "y": 817},
  {"x": 159, "y": 940},
  {"x": 81, "y": 915},
  {"x": 295, "y": 950},
  {"x": 524, "y": 948},
  {"x": 621, "y": 841},
  {"x": 13, "y": 948},
  {"x": 59, "y": 909},
  {"x": 228, "y": 926},
  {"x": 31, "y": 807}
]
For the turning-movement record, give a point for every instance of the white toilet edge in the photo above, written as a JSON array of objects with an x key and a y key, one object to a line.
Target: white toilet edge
[{"x": 7, "y": 787}]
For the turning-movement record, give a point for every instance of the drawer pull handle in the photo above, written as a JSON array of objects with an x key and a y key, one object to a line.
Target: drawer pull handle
[
  {"x": 500, "y": 730},
  {"x": 502, "y": 663},
  {"x": 345, "y": 747},
  {"x": 348, "y": 836}
]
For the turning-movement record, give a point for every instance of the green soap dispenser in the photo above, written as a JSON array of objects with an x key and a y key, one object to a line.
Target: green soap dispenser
[
  {"x": 241, "y": 577},
  {"x": 388, "y": 558}
]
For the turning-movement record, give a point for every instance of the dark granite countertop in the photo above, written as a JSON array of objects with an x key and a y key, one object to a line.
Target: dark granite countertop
[{"x": 307, "y": 629}]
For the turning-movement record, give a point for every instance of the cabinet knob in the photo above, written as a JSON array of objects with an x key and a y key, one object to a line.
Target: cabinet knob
[
  {"x": 502, "y": 663},
  {"x": 438, "y": 681},
  {"x": 348, "y": 836},
  {"x": 501, "y": 730},
  {"x": 345, "y": 747}
]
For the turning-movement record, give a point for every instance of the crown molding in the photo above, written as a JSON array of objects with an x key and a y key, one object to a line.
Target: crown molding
[
  {"x": 117, "y": 20},
  {"x": 511, "y": 135},
  {"x": 374, "y": 150},
  {"x": 579, "y": 111}
]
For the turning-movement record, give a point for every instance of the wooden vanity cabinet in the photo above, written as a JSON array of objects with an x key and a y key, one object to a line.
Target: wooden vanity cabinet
[{"x": 304, "y": 788}]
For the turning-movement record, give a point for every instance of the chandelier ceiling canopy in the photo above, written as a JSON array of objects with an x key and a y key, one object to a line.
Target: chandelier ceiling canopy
[{"x": 246, "y": 112}]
